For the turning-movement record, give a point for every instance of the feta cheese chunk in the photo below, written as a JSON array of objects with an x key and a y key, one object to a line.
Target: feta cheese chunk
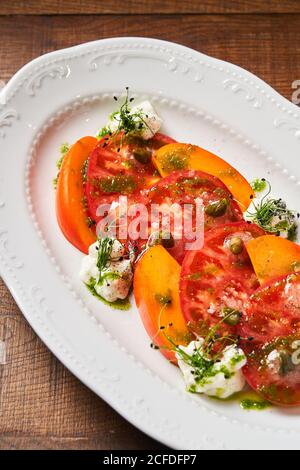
[
  {"x": 221, "y": 378},
  {"x": 151, "y": 121},
  {"x": 115, "y": 279}
]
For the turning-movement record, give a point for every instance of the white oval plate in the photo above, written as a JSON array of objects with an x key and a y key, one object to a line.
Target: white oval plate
[{"x": 66, "y": 94}]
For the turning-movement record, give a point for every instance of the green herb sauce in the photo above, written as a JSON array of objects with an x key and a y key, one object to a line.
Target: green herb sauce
[
  {"x": 163, "y": 299},
  {"x": 248, "y": 404},
  {"x": 259, "y": 185},
  {"x": 248, "y": 400},
  {"x": 64, "y": 148},
  {"x": 116, "y": 184},
  {"x": 118, "y": 304}
]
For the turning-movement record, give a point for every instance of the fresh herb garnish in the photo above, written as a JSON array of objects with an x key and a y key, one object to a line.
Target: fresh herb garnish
[
  {"x": 104, "y": 253},
  {"x": 273, "y": 216},
  {"x": 128, "y": 122},
  {"x": 207, "y": 349},
  {"x": 205, "y": 359}
]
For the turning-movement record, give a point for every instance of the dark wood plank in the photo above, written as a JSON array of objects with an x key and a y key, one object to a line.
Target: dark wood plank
[
  {"x": 266, "y": 45},
  {"x": 36, "y": 7},
  {"x": 110, "y": 440},
  {"x": 43, "y": 406}
]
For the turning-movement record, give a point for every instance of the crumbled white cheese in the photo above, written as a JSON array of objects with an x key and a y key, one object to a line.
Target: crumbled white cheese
[
  {"x": 251, "y": 209},
  {"x": 274, "y": 220},
  {"x": 116, "y": 277},
  {"x": 274, "y": 361},
  {"x": 222, "y": 379},
  {"x": 152, "y": 122}
]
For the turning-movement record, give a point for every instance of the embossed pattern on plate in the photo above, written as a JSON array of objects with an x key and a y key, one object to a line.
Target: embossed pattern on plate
[{"x": 202, "y": 100}]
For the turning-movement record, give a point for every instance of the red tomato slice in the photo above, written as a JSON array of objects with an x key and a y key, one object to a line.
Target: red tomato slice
[
  {"x": 218, "y": 277},
  {"x": 112, "y": 173},
  {"x": 183, "y": 187},
  {"x": 273, "y": 345}
]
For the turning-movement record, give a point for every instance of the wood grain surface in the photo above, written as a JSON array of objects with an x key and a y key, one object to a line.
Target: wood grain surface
[
  {"x": 42, "y": 406},
  {"x": 82, "y": 7}
]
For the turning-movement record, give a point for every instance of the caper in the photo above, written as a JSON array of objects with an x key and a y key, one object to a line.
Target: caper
[
  {"x": 286, "y": 364},
  {"x": 217, "y": 208},
  {"x": 236, "y": 245},
  {"x": 142, "y": 155},
  {"x": 231, "y": 317},
  {"x": 296, "y": 266},
  {"x": 167, "y": 240}
]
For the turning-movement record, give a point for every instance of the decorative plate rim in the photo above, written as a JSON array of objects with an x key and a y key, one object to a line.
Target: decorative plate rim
[{"x": 10, "y": 263}]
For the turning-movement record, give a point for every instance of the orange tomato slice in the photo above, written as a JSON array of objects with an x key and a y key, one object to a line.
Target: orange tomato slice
[
  {"x": 155, "y": 287},
  {"x": 273, "y": 257},
  {"x": 70, "y": 211},
  {"x": 175, "y": 156}
]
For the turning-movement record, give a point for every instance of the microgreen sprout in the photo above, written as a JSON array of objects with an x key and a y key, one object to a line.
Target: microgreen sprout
[
  {"x": 273, "y": 216},
  {"x": 128, "y": 122},
  {"x": 104, "y": 253},
  {"x": 205, "y": 354}
]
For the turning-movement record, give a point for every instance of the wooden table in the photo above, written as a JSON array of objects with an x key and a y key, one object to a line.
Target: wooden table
[{"x": 41, "y": 404}]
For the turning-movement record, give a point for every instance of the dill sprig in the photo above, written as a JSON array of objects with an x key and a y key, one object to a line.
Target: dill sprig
[
  {"x": 203, "y": 359},
  {"x": 128, "y": 122},
  {"x": 204, "y": 355},
  {"x": 104, "y": 253},
  {"x": 273, "y": 216}
]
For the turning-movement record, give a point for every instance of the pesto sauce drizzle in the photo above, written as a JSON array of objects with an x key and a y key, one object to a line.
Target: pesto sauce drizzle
[
  {"x": 247, "y": 399},
  {"x": 258, "y": 405},
  {"x": 259, "y": 185},
  {"x": 120, "y": 304},
  {"x": 116, "y": 184},
  {"x": 64, "y": 148}
]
